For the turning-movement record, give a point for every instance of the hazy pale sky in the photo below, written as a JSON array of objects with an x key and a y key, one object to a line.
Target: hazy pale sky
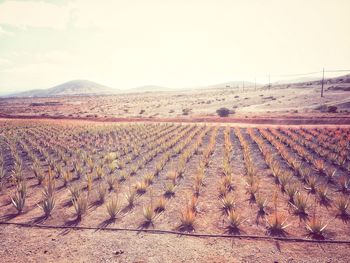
[{"x": 177, "y": 43}]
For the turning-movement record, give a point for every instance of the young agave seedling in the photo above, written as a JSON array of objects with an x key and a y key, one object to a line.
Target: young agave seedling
[
  {"x": 276, "y": 223},
  {"x": 47, "y": 205},
  {"x": 130, "y": 197},
  {"x": 252, "y": 190},
  {"x": 102, "y": 192},
  {"x": 113, "y": 207},
  {"x": 320, "y": 166},
  {"x": 234, "y": 221},
  {"x": 67, "y": 177},
  {"x": 262, "y": 204},
  {"x": 344, "y": 184},
  {"x": 342, "y": 204},
  {"x": 172, "y": 175},
  {"x": 74, "y": 191},
  {"x": 304, "y": 172},
  {"x": 18, "y": 200},
  {"x": 227, "y": 204},
  {"x": 133, "y": 169},
  {"x": 148, "y": 214},
  {"x": 89, "y": 181},
  {"x": 169, "y": 189},
  {"x": 311, "y": 182},
  {"x": 111, "y": 181},
  {"x": 330, "y": 173},
  {"x": 300, "y": 204},
  {"x": 322, "y": 193},
  {"x": 80, "y": 206},
  {"x": 17, "y": 172},
  {"x": 148, "y": 178},
  {"x": 291, "y": 190},
  {"x": 283, "y": 179},
  {"x": 99, "y": 172},
  {"x": 316, "y": 227},
  {"x": 188, "y": 217},
  {"x": 141, "y": 187},
  {"x": 160, "y": 205},
  {"x": 39, "y": 175}
]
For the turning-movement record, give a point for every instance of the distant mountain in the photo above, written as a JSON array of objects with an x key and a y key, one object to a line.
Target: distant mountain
[
  {"x": 297, "y": 80},
  {"x": 315, "y": 81},
  {"x": 74, "y": 87}
]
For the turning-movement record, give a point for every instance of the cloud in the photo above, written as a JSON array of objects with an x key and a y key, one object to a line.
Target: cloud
[{"x": 25, "y": 14}]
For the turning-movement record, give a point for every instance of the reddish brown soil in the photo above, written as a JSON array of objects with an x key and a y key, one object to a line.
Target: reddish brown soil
[{"x": 62, "y": 245}]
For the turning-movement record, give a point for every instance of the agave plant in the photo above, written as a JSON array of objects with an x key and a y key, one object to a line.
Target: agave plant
[
  {"x": 80, "y": 206},
  {"x": 322, "y": 193},
  {"x": 344, "y": 184},
  {"x": 342, "y": 204},
  {"x": 130, "y": 197},
  {"x": 311, "y": 183},
  {"x": 262, "y": 204},
  {"x": 113, "y": 207},
  {"x": 276, "y": 223},
  {"x": 316, "y": 227},
  {"x": 102, "y": 192},
  {"x": 300, "y": 204},
  {"x": 141, "y": 187},
  {"x": 188, "y": 217},
  {"x": 148, "y": 214},
  {"x": 291, "y": 190},
  {"x": 18, "y": 200},
  {"x": 111, "y": 181},
  {"x": 39, "y": 175},
  {"x": 227, "y": 204},
  {"x": 170, "y": 189},
  {"x": 47, "y": 204},
  {"x": 160, "y": 205},
  {"x": 67, "y": 177},
  {"x": 234, "y": 221},
  {"x": 74, "y": 191}
]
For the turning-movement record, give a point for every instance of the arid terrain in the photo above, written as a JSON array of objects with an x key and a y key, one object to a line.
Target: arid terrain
[
  {"x": 172, "y": 192},
  {"x": 289, "y": 100}
]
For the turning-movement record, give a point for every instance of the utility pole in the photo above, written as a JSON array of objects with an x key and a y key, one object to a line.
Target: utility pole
[
  {"x": 269, "y": 82},
  {"x": 322, "y": 83},
  {"x": 255, "y": 83}
]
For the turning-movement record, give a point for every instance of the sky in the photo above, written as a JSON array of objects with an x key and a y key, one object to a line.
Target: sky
[{"x": 171, "y": 43}]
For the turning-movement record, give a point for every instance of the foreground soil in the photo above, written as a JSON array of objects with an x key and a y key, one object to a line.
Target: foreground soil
[{"x": 47, "y": 245}]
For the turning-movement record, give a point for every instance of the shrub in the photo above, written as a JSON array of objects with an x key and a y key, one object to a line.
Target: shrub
[{"x": 223, "y": 112}]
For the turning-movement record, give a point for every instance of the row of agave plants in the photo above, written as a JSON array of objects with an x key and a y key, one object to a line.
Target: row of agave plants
[
  {"x": 298, "y": 169},
  {"x": 67, "y": 174}
]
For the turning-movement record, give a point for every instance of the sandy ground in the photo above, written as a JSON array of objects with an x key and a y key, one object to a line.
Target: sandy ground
[{"x": 46, "y": 245}]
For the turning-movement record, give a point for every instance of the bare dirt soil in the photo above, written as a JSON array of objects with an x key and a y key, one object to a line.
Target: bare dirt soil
[{"x": 53, "y": 141}]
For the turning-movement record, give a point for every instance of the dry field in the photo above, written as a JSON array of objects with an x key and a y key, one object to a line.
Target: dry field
[
  {"x": 276, "y": 187},
  {"x": 291, "y": 100}
]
